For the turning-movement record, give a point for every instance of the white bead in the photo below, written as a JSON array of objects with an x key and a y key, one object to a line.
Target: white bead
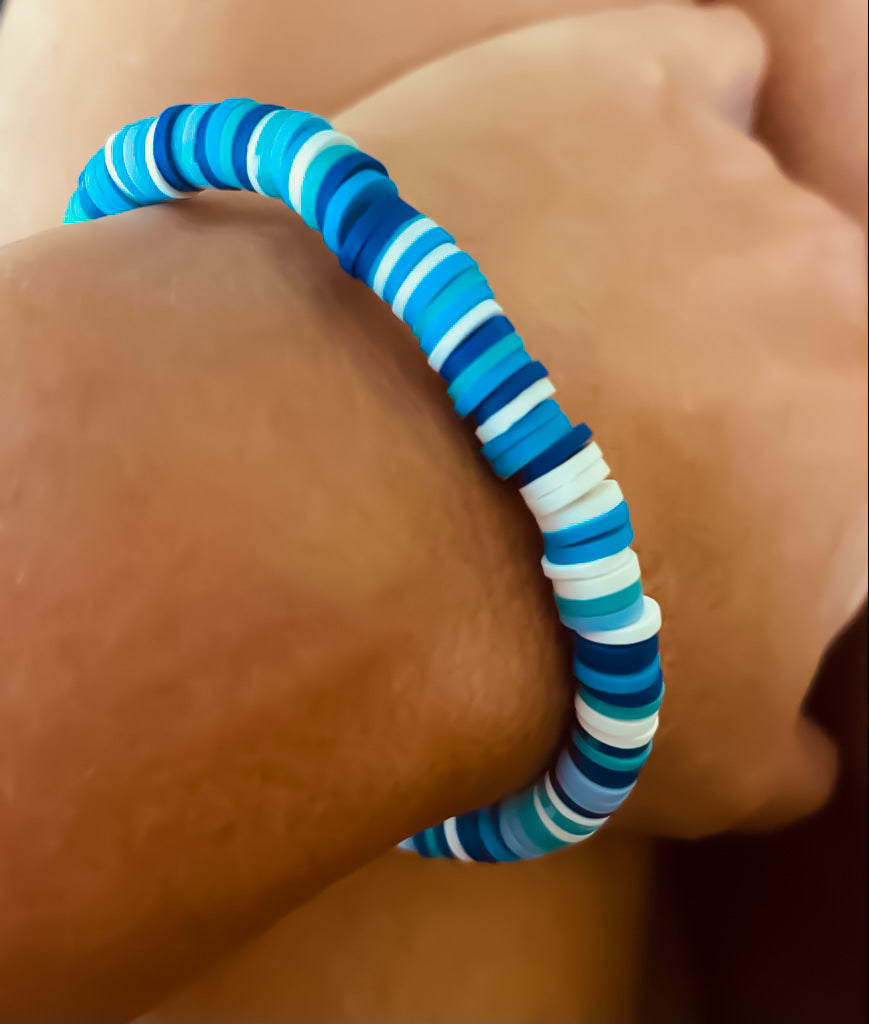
[
  {"x": 552, "y": 828},
  {"x": 252, "y": 161},
  {"x": 579, "y": 484},
  {"x": 624, "y": 734},
  {"x": 311, "y": 148},
  {"x": 415, "y": 278},
  {"x": 501, "y": 421},
  {"x": 585, "y": 570},
  {"x": 569, "y": 812},
  {"x": 453, "y": 842},
  {"x": 464, "y": 326},
  {"x": 600, "y": 499},
  {"x": 561, "y": 474},
  {"x": 110, "y": 167},
  {"x": 153, "y": 170},
  {"x": 599, "y": 586},
  {"x": 647, "y": 625},
  {"x": 397, "y": 248}
]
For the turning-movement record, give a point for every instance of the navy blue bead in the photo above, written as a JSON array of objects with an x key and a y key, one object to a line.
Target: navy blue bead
[
  {"x": 395, "y": 217},
  {"x": 242, "y": 138},
  {"x": 468, "y": 830},
  {"x": 199, "y": 154},
  {"x": 343, "y": 169},
  {"x": 163, "y": 157},
  {"x": 614, "y": 658},
  {"x": 389, "y": 211},
  {"x": 605, "y": 748},
  {"x": 440, "y": 841},
  {"x": 555, "y": 454},
  {"x": 603, "y": 776},
  {"x": 572, "y": 804},
  {"x": 476, "y": 343},
  {"x": 637, "y": 699},
  {"x": 510, "y": 389}
]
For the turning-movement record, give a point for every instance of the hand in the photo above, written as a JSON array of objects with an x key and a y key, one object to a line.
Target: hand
[{"x": 706, "y": 316}]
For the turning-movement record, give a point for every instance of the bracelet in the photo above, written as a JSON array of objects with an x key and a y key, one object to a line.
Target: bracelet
[{"x": 438, "y": 291}]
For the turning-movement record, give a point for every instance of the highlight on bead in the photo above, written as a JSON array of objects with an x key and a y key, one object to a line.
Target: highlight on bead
[{"x": 415, "y": 266}]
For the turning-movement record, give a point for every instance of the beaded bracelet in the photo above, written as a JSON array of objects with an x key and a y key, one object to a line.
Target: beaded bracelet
[{"x": 439, "y": 292}]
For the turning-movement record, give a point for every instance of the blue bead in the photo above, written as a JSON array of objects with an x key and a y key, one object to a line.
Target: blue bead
[
  {"x": 116, "y": 153},
  {"x": 74, "y": 214},
  {"x": 584, "y": 792},
  {"x": 397, "y": 214},
  {"x": 540, "y": 414},
  {"x": 97, "y": 185},
  {"x": 184, "y": 144},
  {"x": 490, "y": 832},
  {"x": 562, "y": 450},
  {"x": 163, "y": 156},
  {"x": 468, "y": 831},
  {"x": 628, "y": 698},
  {"x": 349, "y": 202},
  {"x": 602, "y": 776},
  {"x": 277, "y": 133},
  {"x": 520, "y": 454},
  {"x": 284, "y": 161},
  {"x": 510, "y": 389},
  {"x": 416, "y": 251},
  {"x": 615, "y": 659},
  {"x": 439, "y": 841},
  {"x": 229, "y": 125},
  {"x": 456, "y": 272},
  {"x": 467, "y": 402},
  {"x": 315, "y": 175},
  {"x": 618, "y": 683},
  {"x": 569, "y": 802},
  {"x": 388, "y": 212},
  {"x": 345, "y": 168},
  {"x": 474, "y": 291},
  {"x": 134, "y": 148},
  {"x": 514, "y": 834},
  {"x": 242, "y": 138},
  {"x": 211, "y": 129},
  {"x": 591, "y": 528},
  {"x": 200, "y": 155},
  {"x": 88, "y": 206},
  {"x": 474, "y": 346},
  {"x": 590, "y": 550}
]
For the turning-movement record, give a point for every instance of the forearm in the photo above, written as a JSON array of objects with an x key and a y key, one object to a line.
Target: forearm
[{"x": 222, "y": 684}]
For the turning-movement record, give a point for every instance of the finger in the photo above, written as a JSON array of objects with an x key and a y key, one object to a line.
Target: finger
[
  {"x": 805, "y": 780},
  {"x": 714, "y": 55}
]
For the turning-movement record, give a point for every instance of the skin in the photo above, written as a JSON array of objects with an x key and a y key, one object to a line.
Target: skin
[{"x": 656, "y": 123}]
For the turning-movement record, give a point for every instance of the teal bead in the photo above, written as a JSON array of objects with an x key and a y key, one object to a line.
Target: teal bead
[
  {"x": 605, "y": 605},
  {"x": 623, "y": 714},
  {"x": 228, "y": 129},
  {"x": 480, "y": 367},
  {"x": 616, "y": 764},
  {"x": 444, "y": 298},
  {"x": 317, "y": 171},
  {"x": 559, "y": 818}
]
